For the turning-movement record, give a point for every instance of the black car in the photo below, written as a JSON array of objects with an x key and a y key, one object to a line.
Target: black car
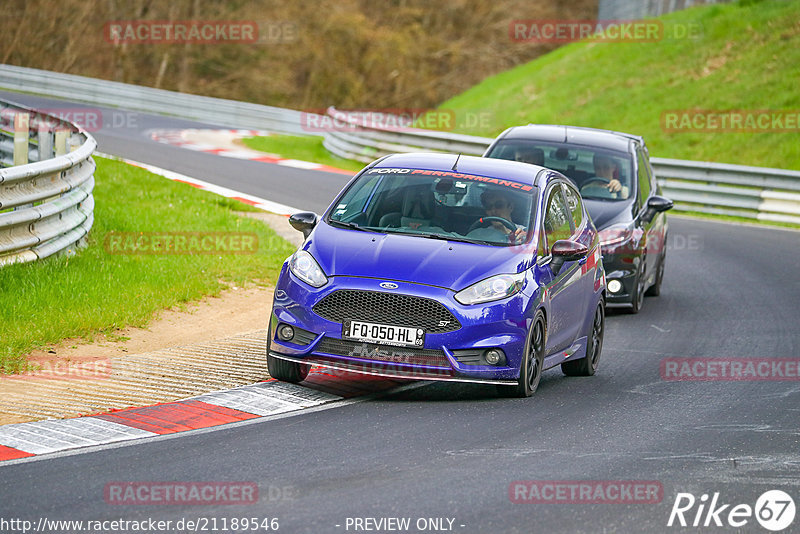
[{"x": 613, "y": 173}]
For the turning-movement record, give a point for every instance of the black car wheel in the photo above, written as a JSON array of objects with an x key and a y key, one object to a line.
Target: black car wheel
[
  {"x": 655, "y": 289},
  {"x": 637, "y": 298},
  {"x": 286, "y": 371},
  {"x": 588, "y": 365},
  {"x": 530, "y": 372}
]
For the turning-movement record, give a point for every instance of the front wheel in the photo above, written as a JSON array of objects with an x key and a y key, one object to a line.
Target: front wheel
[
  {"x": 655, "y": 289},
  {"x": 588, "y": 365},
  {"x": 637, "y": 299},
  {"x": 530, "y": 372},
  {"x": 286, "y": 371}
]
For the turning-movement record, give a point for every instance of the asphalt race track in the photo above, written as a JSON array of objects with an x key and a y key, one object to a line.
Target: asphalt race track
[{"x": 453, "y": 451}]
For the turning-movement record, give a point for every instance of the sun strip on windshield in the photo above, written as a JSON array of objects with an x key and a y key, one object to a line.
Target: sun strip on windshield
[{"x": 449, "y": 174}]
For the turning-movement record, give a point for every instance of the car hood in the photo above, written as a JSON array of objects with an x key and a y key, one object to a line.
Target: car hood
[
  {"x": 606, "y": 213},
  {"x": 449, "y": 264}
]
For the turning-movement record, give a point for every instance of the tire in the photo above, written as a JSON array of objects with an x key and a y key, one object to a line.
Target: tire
[
  {"x": 637, "y": 299},
  {"x": 587, "y": 365},
  {"x": 530, "y": 372},
  {"x": 655, "y": 289},
  {"x": 286, "y": 371}
]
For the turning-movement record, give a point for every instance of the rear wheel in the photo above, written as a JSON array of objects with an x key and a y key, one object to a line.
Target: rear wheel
[
  {"x": 530, "y": 372},
  {"x": 588, "y": 365},
  {"x": 286, "y": 371}
]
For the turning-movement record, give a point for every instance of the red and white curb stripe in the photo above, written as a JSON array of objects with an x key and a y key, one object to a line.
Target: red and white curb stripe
[
  {"x": 24, "y": 440},
  {"x": 258, "y": 202},
  {"x": 224, "y": 147}
]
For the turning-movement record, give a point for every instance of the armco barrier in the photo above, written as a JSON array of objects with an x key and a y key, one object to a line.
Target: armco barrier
[
  {"x": 716, "y": 188},
  {"x": 753, "y": 192},
  {"x": 45, "y": 206},
  {"x": 149, "y": 100}
]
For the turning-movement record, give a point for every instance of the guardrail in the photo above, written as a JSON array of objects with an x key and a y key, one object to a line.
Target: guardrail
[
  {"x": 45, "y": 206},
  {"x": 205, "y": 109},
  {"x": 715, "y": 188}
]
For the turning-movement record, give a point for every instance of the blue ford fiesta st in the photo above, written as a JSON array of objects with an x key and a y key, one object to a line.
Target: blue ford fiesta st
[{"x": 444, "y": 267}]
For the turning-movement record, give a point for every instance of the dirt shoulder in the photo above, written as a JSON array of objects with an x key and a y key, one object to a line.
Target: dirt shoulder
[{"x": 213, "y": 344}]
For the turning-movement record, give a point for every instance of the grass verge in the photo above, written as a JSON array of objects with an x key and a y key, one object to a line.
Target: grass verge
[
  {"x": 303, "y": 148},
  {"x": 95, "y": 291},
  {"x": 745, "y": 56}
]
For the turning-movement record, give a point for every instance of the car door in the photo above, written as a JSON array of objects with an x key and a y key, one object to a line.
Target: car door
[
  {"x": 584, "y": 234},
  {"x": 564, "y": 289}
]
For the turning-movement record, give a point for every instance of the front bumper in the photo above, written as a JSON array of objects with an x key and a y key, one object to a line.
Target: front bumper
[
  {"x": 623, "y": 268},
  {"x": 446, "y": 356}
]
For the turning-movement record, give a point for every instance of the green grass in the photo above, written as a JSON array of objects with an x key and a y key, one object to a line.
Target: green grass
[
  {"x": 302, "y": 148},
  {"x": 95, "y": 292},
  {"x": 746, "y": 58}
]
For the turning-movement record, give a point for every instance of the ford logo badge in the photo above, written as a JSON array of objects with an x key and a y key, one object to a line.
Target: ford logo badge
[{"x": 388, "y": 285}]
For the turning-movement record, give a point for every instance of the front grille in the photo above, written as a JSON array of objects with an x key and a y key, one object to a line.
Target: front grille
[
  {"x": 387, "y": 308},
  {"x": 383, "y": 353}
]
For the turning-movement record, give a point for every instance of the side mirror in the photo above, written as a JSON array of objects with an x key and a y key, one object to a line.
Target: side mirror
[
  {"x": 565, "y": 250},
  {"x": 656, "y": 204},
  {"x": 304, "y": 221}
]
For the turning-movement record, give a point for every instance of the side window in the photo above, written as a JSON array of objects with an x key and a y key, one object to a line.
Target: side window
[
  {"x": 557, "y": 220},
  {"x": 575, "y": 205},
  {"x": 643, "y": 178}
]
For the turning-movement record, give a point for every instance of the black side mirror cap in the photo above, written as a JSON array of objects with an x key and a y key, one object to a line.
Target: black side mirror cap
[
  {"x": 304, "y": 221},
  {"x": 565, "y": 250},
  {"x": 659, "y": 203},
  {"x": 656, "y": 204}
]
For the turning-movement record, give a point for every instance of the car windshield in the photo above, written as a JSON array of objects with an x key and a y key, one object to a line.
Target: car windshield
[
  {"x": 599, "y": 174},
  {"x": 438, "y": 205}
]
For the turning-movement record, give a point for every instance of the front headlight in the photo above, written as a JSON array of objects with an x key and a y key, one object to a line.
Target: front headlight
[
  {"x": 614, "y": 235},
  {"x": 305, "y": 267},
  {"x": 494, "y": 288}
]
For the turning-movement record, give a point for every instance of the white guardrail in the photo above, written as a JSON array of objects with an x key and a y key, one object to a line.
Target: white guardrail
[
  {"x": 46, "y": 206},
  {"x": 752, "y": 192}
]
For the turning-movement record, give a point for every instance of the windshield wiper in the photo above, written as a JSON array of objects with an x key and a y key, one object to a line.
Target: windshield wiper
[
  {"x": 445, "y": 237},
  {"x": 352, "y": 225}
]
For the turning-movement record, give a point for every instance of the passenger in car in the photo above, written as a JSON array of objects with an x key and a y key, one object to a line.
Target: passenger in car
[{"x": 531, "y": 155}]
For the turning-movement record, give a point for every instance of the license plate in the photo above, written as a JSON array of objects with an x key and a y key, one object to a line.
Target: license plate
[{"x": 384, "y": 334}]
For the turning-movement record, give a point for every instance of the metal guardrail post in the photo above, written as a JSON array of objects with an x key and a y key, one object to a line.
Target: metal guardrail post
[
  {"x": 60, "y": 146},
  {"x": 21, "y": 131}
]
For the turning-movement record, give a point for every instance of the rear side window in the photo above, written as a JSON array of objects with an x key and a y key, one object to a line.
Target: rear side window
[
  {"x": 574, "y": 205},
  {"x": 557, "y": 219}
]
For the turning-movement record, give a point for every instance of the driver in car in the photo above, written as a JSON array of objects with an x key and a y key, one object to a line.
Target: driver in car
[
  {"x": 498, "y": 204},
  {"x": 605, "y": 167}
]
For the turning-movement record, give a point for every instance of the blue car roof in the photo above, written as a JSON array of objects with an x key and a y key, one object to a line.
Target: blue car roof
[
  {"x": 524, "y": 173},
  {"x": 573, "y": 134}
]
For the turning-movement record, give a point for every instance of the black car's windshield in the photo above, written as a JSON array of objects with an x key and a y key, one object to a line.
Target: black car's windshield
[
  {"x": 599, "y": 174},
  {"x": 437, "y": 205}
]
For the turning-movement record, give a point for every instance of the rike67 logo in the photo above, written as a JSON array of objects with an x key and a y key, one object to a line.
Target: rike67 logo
[{"x": 774, "y": 510}]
